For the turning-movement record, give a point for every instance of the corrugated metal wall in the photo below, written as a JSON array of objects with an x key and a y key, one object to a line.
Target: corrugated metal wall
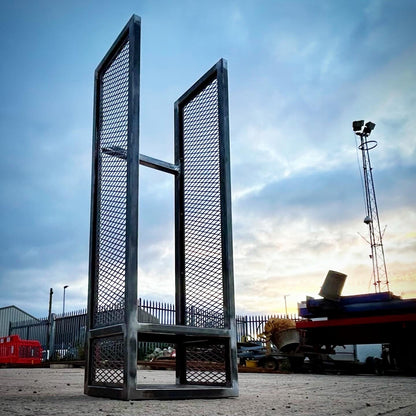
[{"x": 11, "y": 314}]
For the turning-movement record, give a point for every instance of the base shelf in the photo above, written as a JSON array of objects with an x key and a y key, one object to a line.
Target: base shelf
[{"x": 166, "y": 392}]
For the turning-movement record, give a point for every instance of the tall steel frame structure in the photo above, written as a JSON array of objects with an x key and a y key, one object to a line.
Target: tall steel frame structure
[
  {"x": 205, "y": 331},
  {"x": 380, "y": 278}
]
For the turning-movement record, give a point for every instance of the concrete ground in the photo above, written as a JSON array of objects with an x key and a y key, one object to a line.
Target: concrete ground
[{"x": 41, "y": 392}]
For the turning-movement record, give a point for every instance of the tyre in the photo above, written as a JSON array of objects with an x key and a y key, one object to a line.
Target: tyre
[{"x": 270, "y": 363}]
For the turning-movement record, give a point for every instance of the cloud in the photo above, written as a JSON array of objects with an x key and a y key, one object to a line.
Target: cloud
[
  {"x": 28, "y": 287},
  {"x": 275, "y": 257},
  {"x": 299, "y": 74}
]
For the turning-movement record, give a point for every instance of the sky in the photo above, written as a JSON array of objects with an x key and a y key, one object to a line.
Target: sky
[{"x": 299, "y": 72}]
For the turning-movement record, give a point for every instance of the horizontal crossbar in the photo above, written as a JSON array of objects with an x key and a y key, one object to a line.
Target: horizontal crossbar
[{"x": 144, "y": 160}]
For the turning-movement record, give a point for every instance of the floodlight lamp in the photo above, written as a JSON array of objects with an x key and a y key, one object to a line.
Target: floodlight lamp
[
  {"x": 369, "y": 127},
  {"x": 357, "y": 125}
]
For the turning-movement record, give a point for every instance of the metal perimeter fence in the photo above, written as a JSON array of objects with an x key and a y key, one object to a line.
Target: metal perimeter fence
[{"x": 63, "y": 336}]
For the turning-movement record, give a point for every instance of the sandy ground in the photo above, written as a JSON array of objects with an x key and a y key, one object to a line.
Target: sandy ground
[{"x": 39, "y": 392}]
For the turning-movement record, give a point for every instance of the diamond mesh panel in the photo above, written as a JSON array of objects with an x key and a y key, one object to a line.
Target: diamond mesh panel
[
  {"x": 205, "y": 364},
  {"x": 202, "y": 207},
  {"x": 112, "y": 191},
  {"x": 108, "y": 361}
]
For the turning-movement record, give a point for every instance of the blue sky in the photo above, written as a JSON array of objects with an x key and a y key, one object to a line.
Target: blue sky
[{"x": 299, "y": 73}]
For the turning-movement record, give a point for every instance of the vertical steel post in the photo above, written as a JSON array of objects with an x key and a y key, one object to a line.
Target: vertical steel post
[
  {"x": 112, "y": 293},
  {"x": 130, "y": 336}
]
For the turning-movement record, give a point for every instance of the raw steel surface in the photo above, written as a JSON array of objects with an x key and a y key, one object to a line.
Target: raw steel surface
[{"x": 59, "y": 392}]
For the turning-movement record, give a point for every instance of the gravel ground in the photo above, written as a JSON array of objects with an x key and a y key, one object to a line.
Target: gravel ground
[{"x": 41, "y": 392}]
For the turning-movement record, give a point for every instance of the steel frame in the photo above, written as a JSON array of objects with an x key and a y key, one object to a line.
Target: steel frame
[{"x": 206, "y": 364}]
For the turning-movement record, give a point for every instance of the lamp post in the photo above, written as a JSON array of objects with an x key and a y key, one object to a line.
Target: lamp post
[
  {"x": 63, "y": 302},
  {"x": 50, "y": 304},
  {"x": 48, "y": 336},
  {"x": 285, "y": 296}
]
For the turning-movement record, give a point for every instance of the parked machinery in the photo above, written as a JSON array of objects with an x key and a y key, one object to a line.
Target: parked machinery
[{"x": 333, "y": 321}]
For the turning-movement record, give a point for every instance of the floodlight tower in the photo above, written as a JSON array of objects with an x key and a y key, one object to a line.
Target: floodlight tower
[{"x": 380, "y": 279}]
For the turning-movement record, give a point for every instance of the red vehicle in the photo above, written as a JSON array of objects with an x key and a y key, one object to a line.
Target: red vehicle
[{"x": 14, "y": 350}]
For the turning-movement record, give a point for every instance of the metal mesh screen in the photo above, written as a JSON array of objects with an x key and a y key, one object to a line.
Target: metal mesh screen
[
  {"x": 205, "y": 364},
  {"x": 202, "y": 208},
  {"x": 108, "y": 361},
  {"x": 112, "y": 196}
]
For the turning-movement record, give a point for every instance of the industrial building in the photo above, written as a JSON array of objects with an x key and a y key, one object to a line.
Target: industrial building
[{"x": 10, "y": 314}]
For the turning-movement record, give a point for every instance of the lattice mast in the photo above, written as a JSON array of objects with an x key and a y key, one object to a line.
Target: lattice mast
[{"x": 380, "y": 278}]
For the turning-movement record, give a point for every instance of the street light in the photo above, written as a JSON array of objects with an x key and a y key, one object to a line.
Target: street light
[
  {"x": 63, "y": 302},
  {"x": 285, "y": 296}
]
